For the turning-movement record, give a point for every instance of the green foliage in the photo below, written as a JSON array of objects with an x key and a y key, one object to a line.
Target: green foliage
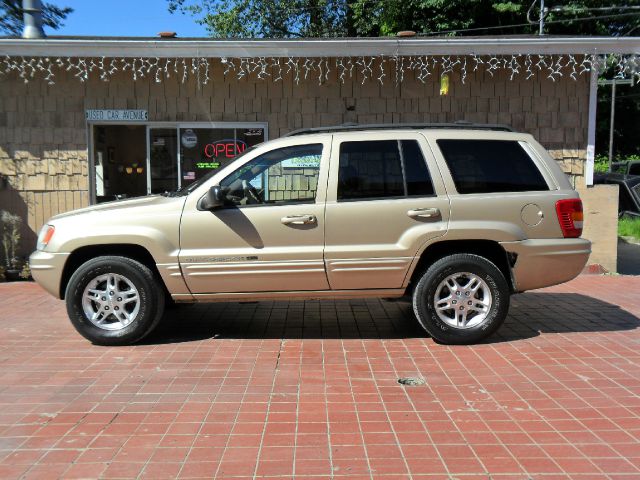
[
  {"x": 367, "y": 18},
  {"x": 2, "y": 276},
  {"x": 10, "y": 236},
  {"x": 601, "y": 163},
  {"x": 11, "y": 18},
  {"x": 25, "y": 273},
  {"x": 629, "y": 227},
  {"x": 266, "y": 18}
]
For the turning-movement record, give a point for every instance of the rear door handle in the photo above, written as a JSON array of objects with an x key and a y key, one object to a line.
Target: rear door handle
[
  {"x": 298, "y": 219},
  {"x": 425, "y": 213}
]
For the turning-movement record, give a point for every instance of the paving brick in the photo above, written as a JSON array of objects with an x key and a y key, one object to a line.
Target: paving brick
[{"x": 285, "y": 389}]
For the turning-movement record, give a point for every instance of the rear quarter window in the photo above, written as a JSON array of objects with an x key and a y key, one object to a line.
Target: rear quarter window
[{"x": 491, "y": 166}]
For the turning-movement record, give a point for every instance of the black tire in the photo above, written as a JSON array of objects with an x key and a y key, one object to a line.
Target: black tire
[
  {"x": 426, "y": 289},
  {"x": 150, "y": 293}
]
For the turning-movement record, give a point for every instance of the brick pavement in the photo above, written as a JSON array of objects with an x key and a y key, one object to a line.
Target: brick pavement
[{"x": 309, "y": 389}]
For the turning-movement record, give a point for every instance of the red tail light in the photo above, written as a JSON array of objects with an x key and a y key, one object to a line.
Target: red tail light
[{"x": 570, "y": 217}]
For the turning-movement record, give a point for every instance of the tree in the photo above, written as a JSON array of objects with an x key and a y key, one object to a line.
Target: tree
[
  {"x": 266, "y": 18},
  {"x": 367, "y": 18},
  {"x": 493, "y": 17},
  {"x": 12, "y": 22}
]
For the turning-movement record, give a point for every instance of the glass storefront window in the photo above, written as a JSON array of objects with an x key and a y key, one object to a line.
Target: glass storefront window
[
  {"x": 205, "y": 149},
  {"x": 132, "y": 160}
]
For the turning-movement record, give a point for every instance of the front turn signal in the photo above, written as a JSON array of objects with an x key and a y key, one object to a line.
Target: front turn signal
[{"x": 45, "y": 236}]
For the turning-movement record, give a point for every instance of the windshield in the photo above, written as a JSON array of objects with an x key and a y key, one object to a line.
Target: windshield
[{"x": 187, "y": 189}]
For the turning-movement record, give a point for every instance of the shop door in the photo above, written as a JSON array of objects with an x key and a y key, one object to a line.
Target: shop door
[
  {"x": 119, "y": 153},
  {"x": 163, "y": 160}
]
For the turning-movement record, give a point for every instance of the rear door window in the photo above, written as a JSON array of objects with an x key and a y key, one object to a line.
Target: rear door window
[
  {"x": 382, "y": 169},
  {"x": 491, "y": 166}
]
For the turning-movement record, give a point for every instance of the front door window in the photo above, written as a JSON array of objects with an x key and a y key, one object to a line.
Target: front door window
[{"x": 284, "y": 175}]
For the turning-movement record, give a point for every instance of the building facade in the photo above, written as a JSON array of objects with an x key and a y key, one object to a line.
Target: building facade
[{"x": 84, "y": 121}]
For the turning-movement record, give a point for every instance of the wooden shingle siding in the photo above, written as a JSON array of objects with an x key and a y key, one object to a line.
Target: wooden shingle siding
[{"x": 43, "y": 133}]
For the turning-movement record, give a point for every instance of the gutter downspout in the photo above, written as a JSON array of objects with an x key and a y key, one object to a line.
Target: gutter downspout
[{"x": 32, "y": 14}]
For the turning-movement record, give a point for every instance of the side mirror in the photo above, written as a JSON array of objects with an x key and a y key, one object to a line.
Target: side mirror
[{"x": 213, "y": 199}]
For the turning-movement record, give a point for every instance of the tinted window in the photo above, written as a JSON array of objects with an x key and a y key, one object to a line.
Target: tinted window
[
  {"x": 415, "y": 170},
  {"x": 370, "y": 170},
  {"x": 488, "y": 166},
  {"x": 284, "y": 175},
  {"x": 382, "y": 168}
]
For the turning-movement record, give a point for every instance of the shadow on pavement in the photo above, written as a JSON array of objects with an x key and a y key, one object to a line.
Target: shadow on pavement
[
  {"x": 530, "y": 315},
  {"x": 534, "y": 313}
]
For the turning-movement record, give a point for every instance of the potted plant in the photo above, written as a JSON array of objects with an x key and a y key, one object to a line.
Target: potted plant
[
  {"x": 25, "y": 273},
  {"x": 10, "y": 240}
]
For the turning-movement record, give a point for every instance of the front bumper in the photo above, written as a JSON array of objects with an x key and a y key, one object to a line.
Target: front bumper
[
  {"x": 47, "y": 268},
  {"x": 545, "y": 262}
]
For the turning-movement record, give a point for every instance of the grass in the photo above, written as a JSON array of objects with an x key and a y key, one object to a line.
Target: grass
[{"x": 629, "y": 227}]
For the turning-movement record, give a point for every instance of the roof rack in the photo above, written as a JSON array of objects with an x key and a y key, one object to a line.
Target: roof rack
[{"x": 355, "y": 127}]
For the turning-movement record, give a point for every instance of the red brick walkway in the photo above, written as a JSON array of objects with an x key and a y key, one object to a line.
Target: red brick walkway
[{"x": 310, "y": 390}]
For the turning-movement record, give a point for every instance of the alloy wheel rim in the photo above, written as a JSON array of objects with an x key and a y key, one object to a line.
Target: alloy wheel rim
[
  {"x": 463, "y": 300},
  {"x": 111, "y": 301}
]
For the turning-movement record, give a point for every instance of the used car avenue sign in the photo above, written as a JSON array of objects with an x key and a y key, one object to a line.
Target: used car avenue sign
[{"x": 117, "y": 115}]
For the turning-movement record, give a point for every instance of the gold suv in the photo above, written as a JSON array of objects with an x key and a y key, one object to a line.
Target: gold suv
[{"x": 458, "y": 217}]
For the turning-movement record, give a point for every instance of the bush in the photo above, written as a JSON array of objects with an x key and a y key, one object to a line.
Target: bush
[
  {"x": 25, "y": 273},
  {"x": 10, "y": 236},
  {"x": 601, "y": 162},
  {"x": 629, "y": 227}
]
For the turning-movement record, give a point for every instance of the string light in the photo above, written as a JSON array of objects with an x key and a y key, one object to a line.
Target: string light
[{"x": 552, "y": 67}]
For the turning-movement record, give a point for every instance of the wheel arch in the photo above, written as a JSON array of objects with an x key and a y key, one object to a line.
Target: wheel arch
[
  {"x": 489, "y": 249},
  {"x": 83, "y": 254}
]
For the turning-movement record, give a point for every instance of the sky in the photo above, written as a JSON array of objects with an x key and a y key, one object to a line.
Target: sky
[{"x": 124, "y": 18}]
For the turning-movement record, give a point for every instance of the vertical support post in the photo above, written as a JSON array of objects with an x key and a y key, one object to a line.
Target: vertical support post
[
  {"x": 148, "y": 159},
  {"x": 591, "y": 126},
  {"x": 612, "y": 121},
  {"x": 541, "y": 31}
]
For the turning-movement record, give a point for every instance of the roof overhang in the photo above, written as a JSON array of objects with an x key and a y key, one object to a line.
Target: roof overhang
[{"x": 339, "y": 47}]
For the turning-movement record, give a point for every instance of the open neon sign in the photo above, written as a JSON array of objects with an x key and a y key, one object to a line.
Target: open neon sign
[{"x": 224, "y": 148}]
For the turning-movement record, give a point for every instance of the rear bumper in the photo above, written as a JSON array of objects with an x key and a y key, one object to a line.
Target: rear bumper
[
  {"x": 46, "y": 269},
  {"x": 546, "y": 262}
]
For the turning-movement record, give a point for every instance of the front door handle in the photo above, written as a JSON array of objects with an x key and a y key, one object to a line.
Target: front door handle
[
  {"x": 298, "y": 219},
  {"x": 425, "y": 213}
]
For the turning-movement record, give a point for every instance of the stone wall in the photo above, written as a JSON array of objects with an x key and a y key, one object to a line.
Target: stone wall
[{"x": 43, "y": 133}]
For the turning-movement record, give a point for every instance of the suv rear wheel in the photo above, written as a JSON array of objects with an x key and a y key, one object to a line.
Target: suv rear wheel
[
  {"x": 114, "y": 300},
  {"x": 461, "y": 299}
]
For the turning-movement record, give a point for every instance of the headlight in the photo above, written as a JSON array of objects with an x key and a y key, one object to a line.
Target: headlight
[{"x": 46, "y": 233}]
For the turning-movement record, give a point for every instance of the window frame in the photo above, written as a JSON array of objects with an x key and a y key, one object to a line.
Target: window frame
[{"x": 400, "y": 148}]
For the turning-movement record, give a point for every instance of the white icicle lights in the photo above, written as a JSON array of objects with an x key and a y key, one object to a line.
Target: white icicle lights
[{"x": 379, "y": 68}]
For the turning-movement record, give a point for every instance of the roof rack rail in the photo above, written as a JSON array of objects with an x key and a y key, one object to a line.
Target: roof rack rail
[{"x": 355, "y": 127}]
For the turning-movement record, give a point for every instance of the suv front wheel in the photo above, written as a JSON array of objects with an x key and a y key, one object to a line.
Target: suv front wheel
[
  {"x": 114, "y": 300},
  {"x": 461, "y": 299}
]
